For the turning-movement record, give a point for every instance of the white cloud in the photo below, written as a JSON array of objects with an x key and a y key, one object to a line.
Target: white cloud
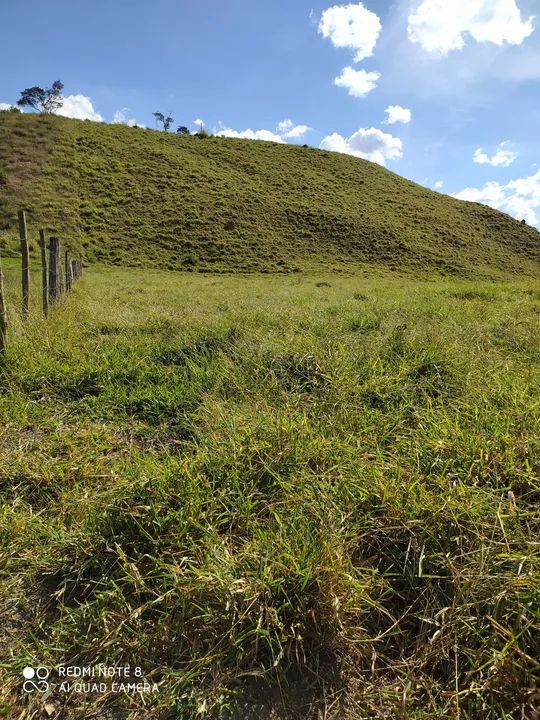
[
  {"x": 440, "y": 26},
  {"x": 284, "y": 126},
  {"x": 368, "y": 143},
  {"x": 73, "y": 106},
  {"x": 438, "y": 185},
  {"x": 250, "y": 134},
  {"x": 297, "y": 131},
  {"x": 121, "y": 118},
  {"x": 198, "y": 122},
  {"x": 502, "y": 158},
  {"x": 79, "y": 107},
  {"x": 519, "y": 198},
  {"x": 358, "y": 82},
  {"x": 397, "y": 114},
  {"x": 351, "y": 26},
  {"x": 287, "y": 129}
]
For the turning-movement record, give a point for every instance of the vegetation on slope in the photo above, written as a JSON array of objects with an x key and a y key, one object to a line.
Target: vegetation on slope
[
  {"x": 321, "y": 493},
  {"x": 141, "y": 197}
]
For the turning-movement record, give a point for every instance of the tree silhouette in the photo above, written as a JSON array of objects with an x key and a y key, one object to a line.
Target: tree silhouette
[
  {"x": 183, "y": 130},
  {"x": 46, "y": 100},
  {"x": 165, "y": 121}
]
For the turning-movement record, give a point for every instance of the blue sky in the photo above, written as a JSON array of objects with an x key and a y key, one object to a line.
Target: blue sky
[{"x": 444, "y": 92}]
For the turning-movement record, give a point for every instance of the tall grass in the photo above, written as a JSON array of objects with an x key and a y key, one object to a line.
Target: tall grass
[{"x": 286, "y": 495}]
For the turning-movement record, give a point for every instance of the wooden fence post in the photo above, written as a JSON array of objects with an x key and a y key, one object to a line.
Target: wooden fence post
[
  {"x": 61, "y": 284},
  {"x": 44, "y": 273},
  {"x": 54, "y": 253},
  {"x": 51, "y": 268},
  {"x": 25, "y": 263},
  {"x": 59, "y": 273},
  {"x": 67, "y": 266},
  {"x": 3, "y": 314}
]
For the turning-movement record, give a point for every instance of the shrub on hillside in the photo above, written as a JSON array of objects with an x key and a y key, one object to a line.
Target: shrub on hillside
[{"x": 191, "y": 259}]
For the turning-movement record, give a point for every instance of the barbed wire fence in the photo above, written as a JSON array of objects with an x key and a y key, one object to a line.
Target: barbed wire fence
[{"x": 58, "y": 276}]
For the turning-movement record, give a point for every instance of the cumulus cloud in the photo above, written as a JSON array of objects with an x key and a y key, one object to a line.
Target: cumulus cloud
[
  {"x": 351, "y": 26},
  {"x": 287, "y": 129},
  {"x": 502, "y": 157},
  {"x": 358, "y": 82},
  {"x": 519, "y": 198},
  {"x": 121, "y": 118},
  {"x": 297, "y": 131},
  {"x": 250, "y": 134},
  {"x": 198, "y": 122},
  {"x": 440, "y": 26},
  {"x": 368, "y": 143},
  {"x": 438, "y": 185},
  {"x": 397, "y": 114},
  {"x": 285, "y": 126},
  {"x": 79, "y": 107}
]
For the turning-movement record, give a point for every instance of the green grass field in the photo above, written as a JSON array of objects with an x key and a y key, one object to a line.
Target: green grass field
[
  {"x": 274, "y": 494},
  {"x": 128, "y": 196}
]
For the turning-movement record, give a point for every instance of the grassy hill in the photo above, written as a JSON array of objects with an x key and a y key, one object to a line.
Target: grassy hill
[{"x": 138, "y": 197}]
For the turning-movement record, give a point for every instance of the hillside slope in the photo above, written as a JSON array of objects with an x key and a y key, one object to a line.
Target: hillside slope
[{"x": 140, "y": 197}]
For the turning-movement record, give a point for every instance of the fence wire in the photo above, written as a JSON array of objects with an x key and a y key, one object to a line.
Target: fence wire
[{"x": 45, "y": 289}]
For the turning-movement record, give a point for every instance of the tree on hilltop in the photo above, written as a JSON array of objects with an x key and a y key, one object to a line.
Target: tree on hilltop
[
  {"x": 183, "y": 130},
  {"x": 45, "y": 100},
  {"x": 165, "y": 121}
]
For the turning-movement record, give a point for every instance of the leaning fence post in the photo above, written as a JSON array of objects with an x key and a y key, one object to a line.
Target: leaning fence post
[
  {"x": 44, "y": 274},
  {"x": 3, "y": 314},
  {"x": 25, "y": 263}
]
